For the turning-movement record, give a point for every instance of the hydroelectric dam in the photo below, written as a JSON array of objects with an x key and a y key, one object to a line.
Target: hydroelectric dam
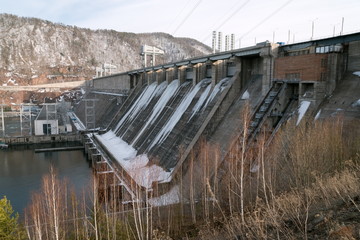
[{"x": 144, "y": 129}]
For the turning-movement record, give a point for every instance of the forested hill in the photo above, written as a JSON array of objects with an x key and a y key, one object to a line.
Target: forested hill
[{"x": 35, "y": 51}]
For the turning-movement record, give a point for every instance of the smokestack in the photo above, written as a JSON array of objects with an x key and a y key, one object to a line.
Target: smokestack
[
  {"x": 227, "y": 42},
  {"x": 232, "y": 42},
  {"x": 220, "y": 41},
  {"x": 213, "y": 43}
]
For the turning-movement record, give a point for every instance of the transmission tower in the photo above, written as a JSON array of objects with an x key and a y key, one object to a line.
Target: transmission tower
[
  {"x": 51, "y": 114},
  {"x": 90, "y": 113},
  {"x": 25, "y": 118}
]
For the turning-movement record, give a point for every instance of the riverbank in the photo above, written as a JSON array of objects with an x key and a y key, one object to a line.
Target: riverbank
[{"x": 26, "y": 140}]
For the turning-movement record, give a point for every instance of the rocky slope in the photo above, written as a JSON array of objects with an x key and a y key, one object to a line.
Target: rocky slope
[{"x": 34, "y": 51}]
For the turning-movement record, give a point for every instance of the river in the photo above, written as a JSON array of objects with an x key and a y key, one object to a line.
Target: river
[{"x": 21, "y": 171}]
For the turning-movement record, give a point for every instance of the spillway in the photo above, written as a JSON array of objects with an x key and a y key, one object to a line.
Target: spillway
[{"x": 146, "y": 140}]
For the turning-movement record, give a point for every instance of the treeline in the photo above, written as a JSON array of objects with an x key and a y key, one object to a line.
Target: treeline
[{"x": 281, "y": 191}]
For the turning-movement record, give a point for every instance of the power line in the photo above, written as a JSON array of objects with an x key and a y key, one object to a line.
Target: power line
[
  {"x": 181, "y": 11},
  {"x": 266, "y": 18},
  {"x": 233, "y": 14},
  {"x": 187, "y": 16},
  {"x": 228, "y": 18}
]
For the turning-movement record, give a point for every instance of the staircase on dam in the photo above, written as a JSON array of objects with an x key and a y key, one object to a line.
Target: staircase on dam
[
  {"x": 264, "y": 110},
  {"x": 267, "y": 117}
]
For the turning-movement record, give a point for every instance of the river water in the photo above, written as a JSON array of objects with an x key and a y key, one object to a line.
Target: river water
[{"x": 21, "y": 171}]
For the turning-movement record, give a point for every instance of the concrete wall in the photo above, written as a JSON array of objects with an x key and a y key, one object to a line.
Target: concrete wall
[
  {"x": 354, "y": 56},
  {"x": 42, "y": 139},
  {"x": 118, "y": 81}
]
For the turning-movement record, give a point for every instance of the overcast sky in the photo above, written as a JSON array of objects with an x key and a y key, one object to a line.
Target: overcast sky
[{"x": 250, "y": 20}]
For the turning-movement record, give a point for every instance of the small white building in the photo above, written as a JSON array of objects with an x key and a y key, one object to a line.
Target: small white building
[
  {"x": 47, "y": 122},
  {"x": 46, "y": 127},
  {"x": 53, "y": 119}
]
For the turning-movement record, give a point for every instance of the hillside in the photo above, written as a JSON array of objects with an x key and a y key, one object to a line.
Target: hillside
[{"x": 35, "y": 51}]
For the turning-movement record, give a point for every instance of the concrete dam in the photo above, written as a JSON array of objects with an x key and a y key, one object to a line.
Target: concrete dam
[{"x": 141, "y": 127}]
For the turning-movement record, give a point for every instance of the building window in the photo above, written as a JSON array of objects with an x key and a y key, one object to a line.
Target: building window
[
  {"x": 47, "y": 129},
  {"x": 292, "y": 76},
  {"x": 328, "y": 49}
]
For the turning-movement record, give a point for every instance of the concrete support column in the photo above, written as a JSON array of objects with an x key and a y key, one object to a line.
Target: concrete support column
[
  {"x": 266, "y": 81},
  {"x": 239, "y": 84},
  {"x": 268, "y": 54},
  {"x": 181, "y": 74},
  {"x": 191, "y": 71},
  {"x": 160, "y": 76},
  {"x": 132, "y": 81},
  {"x": 217, "y": 71},
  {"x": 138, "y": 79},
  {"x": 169, "y": 75},
  {"x": 201, "y": 71},
  {"x": 149, "y": 77},
  {"x": 142, "y": 78},
  {"x": 332, "y": 72}
]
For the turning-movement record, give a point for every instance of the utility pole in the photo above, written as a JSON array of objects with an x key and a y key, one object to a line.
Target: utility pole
[
  {"x": 2, "y": 127},
  {"x": 312, "y": 28},
  {"x": 342, "y": 26},
  {"x": 288, "y": 41},
  {"x": 273, "y": 37}
]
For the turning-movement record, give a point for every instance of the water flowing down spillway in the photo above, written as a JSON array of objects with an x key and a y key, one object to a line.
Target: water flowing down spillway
[{"x": 146, "y": 139}]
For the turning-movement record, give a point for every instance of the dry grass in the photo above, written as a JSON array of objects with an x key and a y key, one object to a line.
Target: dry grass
[
  {"x": 299, "y": 213},
  {"x": 307, "y": 171},
  {"x": 294, "y": 189}
]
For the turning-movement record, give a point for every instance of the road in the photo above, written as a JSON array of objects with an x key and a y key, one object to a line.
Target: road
[{"x": 45, "y": 87}]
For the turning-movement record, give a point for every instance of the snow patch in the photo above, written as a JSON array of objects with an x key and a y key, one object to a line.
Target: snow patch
[
  {"x": 137, "y": 166},
  {"x": 139, "y": 104},
  {"x": 254, "y": 168},
  {"x": 171, "y": 197},
  {"x": 200, "y": 102},
  {"x": 317, "y": 115},
  {"x": 357, "y": 73},
  {"x": 356, "y": 103},
  {"x": 218, "y": 88},
  {"x": 337, "y": 112},
  {"x": 76, "y": 121},
  {"x": 175, "y": 117},
  {"x": 304, "y": 105},
  {"x": 245, "y": 95},
  {"x": 160, "y": 105},
  {"x": 12, "y": 81}
]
